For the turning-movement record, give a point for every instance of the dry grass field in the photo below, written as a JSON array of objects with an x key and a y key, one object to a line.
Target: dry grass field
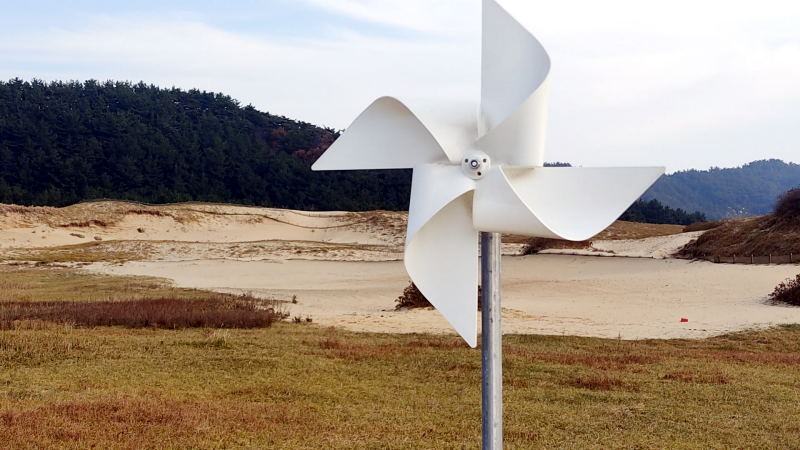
[{"x": 299, "y": 386}]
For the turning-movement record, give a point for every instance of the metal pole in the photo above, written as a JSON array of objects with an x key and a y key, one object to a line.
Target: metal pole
[{"x": 491, "y": 343}]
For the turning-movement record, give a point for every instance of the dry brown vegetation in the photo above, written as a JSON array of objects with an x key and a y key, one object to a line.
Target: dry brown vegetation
[
  {"x": 702, "y": 226},
  {"x": 788, "y": 205},
  {"x": 216, "y": 311},
  {"x": 38, "y": 296},
  {"x": 153, "y": 250},
  {"x": 619, "y": 230},
  {"x": 390, "y": 224},
  {"x": 774, "y": 234},
  {"x": 125, "y": 422},
  {"x": 535, "y": 245},
  {"x": 290, "y": 386},
  {"x": 95, "y": 214},
  {"x": 787, "y": 292},
  {"x": 412, "y": 298},
  {"x": 306, "y": 387},
  {"x": 89, "y": 252},
  {"x": 758, "y": 236}
]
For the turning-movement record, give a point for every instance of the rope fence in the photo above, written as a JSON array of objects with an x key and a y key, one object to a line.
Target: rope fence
[{"x": 752, "y": 259}]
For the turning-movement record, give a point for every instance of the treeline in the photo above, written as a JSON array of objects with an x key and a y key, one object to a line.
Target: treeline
[
  {"x": 654, "y": 212},
  {"x": 64, "y": 142},
  {"x": 61, "y": 143}
]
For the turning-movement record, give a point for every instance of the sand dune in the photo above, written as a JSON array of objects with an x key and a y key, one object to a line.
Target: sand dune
[
  {"x": 312, "y": 255},
  {"x": 125, "y": 231},
  {"x": 119, "y": 221}
]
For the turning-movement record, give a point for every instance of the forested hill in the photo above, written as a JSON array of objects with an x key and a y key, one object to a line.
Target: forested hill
[
  {"x": 61, "y": 143},
  {"x": 722, "y": 193}
]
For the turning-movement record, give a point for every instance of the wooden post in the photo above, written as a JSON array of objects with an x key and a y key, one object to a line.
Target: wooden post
[
  {"x": 751, "y": 258},
  {"x": 770, "y": 259}
]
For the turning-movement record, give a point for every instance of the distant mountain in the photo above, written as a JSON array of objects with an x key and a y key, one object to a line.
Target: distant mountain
[{"x": 727, "y": 193}]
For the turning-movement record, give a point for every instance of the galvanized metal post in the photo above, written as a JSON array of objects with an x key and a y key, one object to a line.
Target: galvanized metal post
[{"x": 491, "y": 343}]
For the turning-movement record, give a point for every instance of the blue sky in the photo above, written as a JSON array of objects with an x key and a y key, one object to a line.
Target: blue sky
[
  {"x": 686, "y": 84},
  {"x": 268, "y": 19}
]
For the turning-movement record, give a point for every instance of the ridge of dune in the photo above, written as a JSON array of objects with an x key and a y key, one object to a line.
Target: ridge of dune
[
  {"x": 134, "y": 231},
  {"x": 187, "y": 225},
  {"x": 657, "y": 247}
]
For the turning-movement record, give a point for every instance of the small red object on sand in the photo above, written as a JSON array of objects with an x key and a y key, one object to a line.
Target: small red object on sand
[{"x": 684, "y": 320}]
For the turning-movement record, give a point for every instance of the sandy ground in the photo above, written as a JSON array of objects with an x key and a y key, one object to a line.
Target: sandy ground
[
  {"x": 543, "y": 294},
  {"x": 190, "y": 232},
  {"x": 346, "y": 269},
  {"x": 196, "y": 224}
]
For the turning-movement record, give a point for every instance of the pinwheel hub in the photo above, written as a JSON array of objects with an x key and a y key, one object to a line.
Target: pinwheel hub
[{"x": 476, "y": 165}]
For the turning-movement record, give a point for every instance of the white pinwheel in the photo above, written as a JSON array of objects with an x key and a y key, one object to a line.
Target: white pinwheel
[{"x": 483, "y": 172}]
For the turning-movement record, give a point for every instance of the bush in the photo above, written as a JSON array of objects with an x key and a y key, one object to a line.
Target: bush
[
  {"x": 534, "y": 245},
  {"x": 788, "y": 204},
  {"x": 787, "y": 292},
  {"x": 412, "y": 298}
]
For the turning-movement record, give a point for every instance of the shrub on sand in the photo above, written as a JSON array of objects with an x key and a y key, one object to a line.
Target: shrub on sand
[
  {"x": 787, "y": 292},
  {"x": 788, "y": 204},
  {"x": 412, "y": 298},
  {"x": 534, "y": 245}
]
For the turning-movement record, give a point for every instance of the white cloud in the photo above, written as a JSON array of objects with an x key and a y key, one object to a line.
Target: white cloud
[
  {"x": 679, "y": 83},
  {"x": 325, "y": 82},
  {"x": 684, "y": 83}
]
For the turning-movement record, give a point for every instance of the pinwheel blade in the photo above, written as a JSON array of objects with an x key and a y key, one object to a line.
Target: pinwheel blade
[
  {"x": 514, "y": 90},
  {"x": 387, "y": 135},
  {"x": 453, "y": 124},
  {"x": 571, "y": 203},
  {"x": 442, "y": 260},
  {"x": 433, "y": 187}
]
